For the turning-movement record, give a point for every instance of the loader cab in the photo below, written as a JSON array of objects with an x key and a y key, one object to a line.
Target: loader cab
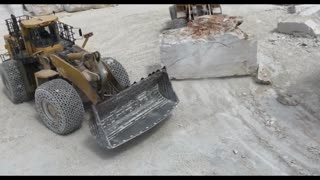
[
  {"x": 47, "y": 34},
  {"x": 42, "y": 34},
  {"x": 29, "y": 35}
]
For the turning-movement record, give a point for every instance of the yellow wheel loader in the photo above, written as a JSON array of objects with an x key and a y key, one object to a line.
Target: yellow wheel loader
[{"x": 43, "y": 62}]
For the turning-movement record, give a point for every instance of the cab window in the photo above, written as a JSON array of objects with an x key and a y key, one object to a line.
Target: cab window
[{"x": 44, "y": 36}]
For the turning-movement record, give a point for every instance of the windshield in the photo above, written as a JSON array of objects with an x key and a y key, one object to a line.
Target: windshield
[{"x": 45, "y": 36}]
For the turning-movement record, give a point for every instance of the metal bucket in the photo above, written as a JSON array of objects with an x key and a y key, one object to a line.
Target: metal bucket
[{"x": 133, "y": 111}]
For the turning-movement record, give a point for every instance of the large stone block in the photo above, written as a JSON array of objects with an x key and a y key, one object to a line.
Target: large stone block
[
  {"x": 303, "y": 25},
  {"x": 212, "y": 46}
]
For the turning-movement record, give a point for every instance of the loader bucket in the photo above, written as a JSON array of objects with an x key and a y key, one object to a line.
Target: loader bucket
[{"x": 133, "y": 111}]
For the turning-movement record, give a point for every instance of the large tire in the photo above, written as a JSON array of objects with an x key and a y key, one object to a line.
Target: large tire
[
  {"x": 59, "y": 106},
  {"x": 13, "y": 82},
  {"x": 173, "y": 12},
  {"x": 117, "y": 71},
  {"x": 179, "y": 23}
]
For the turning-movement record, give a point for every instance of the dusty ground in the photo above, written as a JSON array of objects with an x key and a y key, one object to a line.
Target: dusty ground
[{"x": 221, "y": 126}]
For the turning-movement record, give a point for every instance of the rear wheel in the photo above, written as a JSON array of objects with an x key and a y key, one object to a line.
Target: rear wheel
[
  {"x": 13, "y": 82},
  {"x": 173, "y": 12},
  {"x": 59, "y": 106}
]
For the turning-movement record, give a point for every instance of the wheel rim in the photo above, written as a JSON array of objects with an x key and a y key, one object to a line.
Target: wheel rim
[{"x": 50, "y": 111}]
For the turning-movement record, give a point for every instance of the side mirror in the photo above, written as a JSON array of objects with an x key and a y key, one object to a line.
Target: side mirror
[
  {"x": 78, "y": 35},
  {"x": 80, "y": 32}
]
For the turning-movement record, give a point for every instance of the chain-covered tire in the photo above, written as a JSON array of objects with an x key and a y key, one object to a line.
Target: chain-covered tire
[
  {"x": 117, "y": 71},
  {"x": 60, "y": 106},
  {"x": 179, "y": 23},
  {"x": 13, "y": 82}
]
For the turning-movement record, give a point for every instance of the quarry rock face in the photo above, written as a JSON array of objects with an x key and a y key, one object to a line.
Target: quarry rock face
[
  {"x": 310, "y": 11},
  {"x": 76, "y": 7},
  {"x": 210, "y": 46},
  {"x": 83, "y": 7},
  {"x": 43, "y": 9}
]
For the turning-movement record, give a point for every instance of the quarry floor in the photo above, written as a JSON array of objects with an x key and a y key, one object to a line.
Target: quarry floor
[{"x": 222, "y": 126}]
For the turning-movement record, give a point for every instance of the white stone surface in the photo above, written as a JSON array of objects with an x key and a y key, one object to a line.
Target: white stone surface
[
  {"x": 15, "y": 9},
  {"x": 214, "y": 117},
  {"x": 214, "y": 56}
]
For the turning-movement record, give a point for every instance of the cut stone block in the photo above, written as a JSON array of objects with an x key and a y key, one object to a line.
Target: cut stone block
[
  {"x": 311, "y": 11},
  {"x": 211, "y": 46},
  {"x": 302, "y": 25}
]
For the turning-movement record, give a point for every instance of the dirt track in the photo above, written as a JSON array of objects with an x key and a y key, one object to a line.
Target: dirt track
[{"x": 221, "y": 126}]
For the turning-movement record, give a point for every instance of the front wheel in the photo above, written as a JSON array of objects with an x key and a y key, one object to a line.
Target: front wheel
[
  {"x": 118, "y": 72},
  {"x": 59, "y": 106}
]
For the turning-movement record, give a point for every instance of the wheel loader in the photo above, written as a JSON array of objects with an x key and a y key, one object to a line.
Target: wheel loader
[
  {"x": 44, "y": 63},
  {"x": 181, "y": 14}
]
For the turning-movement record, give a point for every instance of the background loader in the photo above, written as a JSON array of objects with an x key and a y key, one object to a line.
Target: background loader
[
  {"x": 43, "y": 62},
  {"x": 182, "y": 13}
]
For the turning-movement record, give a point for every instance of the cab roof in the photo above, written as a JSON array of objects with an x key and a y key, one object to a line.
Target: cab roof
[{"x": 38, "y": 21}]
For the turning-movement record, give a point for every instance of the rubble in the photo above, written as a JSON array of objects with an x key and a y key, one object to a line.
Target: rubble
[
  {"x": 303, "y": 25},
  {"x": 287, "y": 99},
  {"x": 210, "y": 46},
  {"x": 270, "y": 122},
  {"x": 235, "y": 151},
  {"x": 263, "y": 75}
]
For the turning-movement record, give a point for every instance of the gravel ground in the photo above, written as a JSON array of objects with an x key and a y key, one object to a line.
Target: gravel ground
[{"x": 221, "y": 126}]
